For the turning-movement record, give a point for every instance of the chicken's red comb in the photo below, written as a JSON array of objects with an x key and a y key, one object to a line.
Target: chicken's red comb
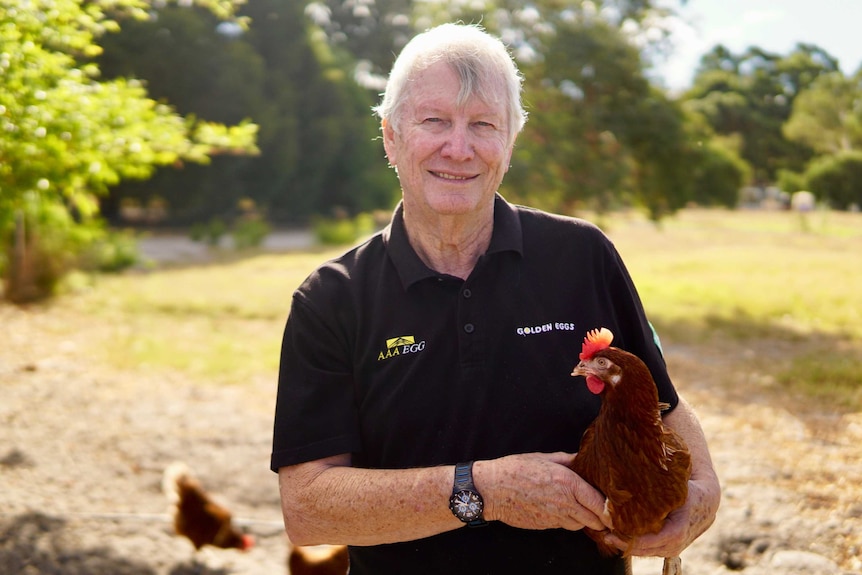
[{"x": 596, "y": 340}]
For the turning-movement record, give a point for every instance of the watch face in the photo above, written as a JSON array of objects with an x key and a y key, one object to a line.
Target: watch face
[{"x": 467, "y": 505}]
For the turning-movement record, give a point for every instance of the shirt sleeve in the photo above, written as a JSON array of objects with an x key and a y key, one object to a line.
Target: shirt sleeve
[
  {"x": 315, "y": 413},
  {"x": 637, "y": 334}
]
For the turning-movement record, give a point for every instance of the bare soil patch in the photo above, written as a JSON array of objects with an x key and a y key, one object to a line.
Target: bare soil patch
[{"x": 83, "y": 446}]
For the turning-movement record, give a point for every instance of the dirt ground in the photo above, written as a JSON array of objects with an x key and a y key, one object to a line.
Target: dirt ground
[{"x": 83, "y": 446}]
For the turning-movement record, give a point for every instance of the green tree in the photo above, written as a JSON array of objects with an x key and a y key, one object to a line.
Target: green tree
[
  {"x": 837, "y": 179},
  {"x": 67, "y": 135},
  {"x": 319, "y": 143},
  {"x": 317, "y": 133},
  {"x": 372, "y": 32},
  {"x": 752, "y": 95},
  {"x": 828, "y": 115},
  {"x": 180, "y": 54},
  {"x": 599, "y": 135},
  {"x": 718, "y": 175},
  {"x": 664, "y": 151},
  {"x": 593, "y": 115},
  {"x": 571, "y": 153}
]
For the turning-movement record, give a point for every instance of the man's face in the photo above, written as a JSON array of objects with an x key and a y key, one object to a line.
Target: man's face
[{"x": 450, "y": 159}]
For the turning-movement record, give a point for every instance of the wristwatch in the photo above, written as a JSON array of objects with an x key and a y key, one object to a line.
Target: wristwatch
[{"x": 466, "y": 503}]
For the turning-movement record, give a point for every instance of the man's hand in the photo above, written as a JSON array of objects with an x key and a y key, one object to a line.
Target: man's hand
[
  {"x": 682, "y": 527},
  {"x": 539, "y": 491}
]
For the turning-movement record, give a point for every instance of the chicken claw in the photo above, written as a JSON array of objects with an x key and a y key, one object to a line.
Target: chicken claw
[{"x": 672, "y": 566}]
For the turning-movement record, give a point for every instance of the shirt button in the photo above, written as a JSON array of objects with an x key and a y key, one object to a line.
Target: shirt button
[
  {"x": 469, "y": 327},
  {"x": 467, "y": 293}
]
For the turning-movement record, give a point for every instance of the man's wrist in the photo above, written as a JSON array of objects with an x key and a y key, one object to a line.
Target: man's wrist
[{"x": 482, "y": 473}]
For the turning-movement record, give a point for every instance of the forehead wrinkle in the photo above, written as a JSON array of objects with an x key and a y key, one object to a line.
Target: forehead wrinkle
[{"x": 472, "y": 94}]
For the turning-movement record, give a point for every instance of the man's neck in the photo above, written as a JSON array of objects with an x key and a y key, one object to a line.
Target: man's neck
[{"x": 450, "y": 244}]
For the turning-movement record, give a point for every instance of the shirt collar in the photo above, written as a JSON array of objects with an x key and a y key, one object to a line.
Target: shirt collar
[{"x": 506, "y": 236}]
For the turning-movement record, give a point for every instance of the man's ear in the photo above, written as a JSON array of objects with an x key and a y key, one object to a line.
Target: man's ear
[{"x": 389, "y": 141}]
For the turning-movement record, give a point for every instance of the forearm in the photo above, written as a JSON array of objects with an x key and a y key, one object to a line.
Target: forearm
[
  {"x": 705, "y": 490},
  {"x": 684, "y": 421},
  {"x": 328, "y": 501}
]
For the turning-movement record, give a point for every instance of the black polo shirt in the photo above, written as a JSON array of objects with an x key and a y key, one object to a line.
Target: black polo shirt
[{"x": 402, "y": 367}]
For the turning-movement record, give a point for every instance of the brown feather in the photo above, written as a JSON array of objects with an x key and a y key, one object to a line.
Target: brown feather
[
  {"x": 318, "y": 560},
  {"x": 627, "y": 453},
  {"x": 196, "y": 515}
]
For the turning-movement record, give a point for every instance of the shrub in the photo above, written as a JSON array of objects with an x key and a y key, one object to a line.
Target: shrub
[
  {"x": 45, "y": 243},
  {"x": 719, "y": 173},
  {"x": 249, "y": 233},
  {"x": 210, "y": 233},
  {"x": 837, "y": 179},
  {"x": 340, "y": 231},
  {"x": 790, "y": 181},
  {"x": 113, "y": 252}
]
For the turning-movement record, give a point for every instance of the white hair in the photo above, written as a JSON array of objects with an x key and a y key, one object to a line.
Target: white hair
[{"x": 481, "y": 61}]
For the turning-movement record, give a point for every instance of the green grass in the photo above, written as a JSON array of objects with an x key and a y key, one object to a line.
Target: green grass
[
  {"x": 830, "y": 375},
  {"x": 738, "y": 278},
  {"x": 754, "y": 273},
  {"x": 759, "y": 281},
  {"x": 219, "y": 322}
]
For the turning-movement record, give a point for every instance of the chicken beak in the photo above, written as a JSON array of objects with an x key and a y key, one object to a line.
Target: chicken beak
[{"x": 580, "y": 369}]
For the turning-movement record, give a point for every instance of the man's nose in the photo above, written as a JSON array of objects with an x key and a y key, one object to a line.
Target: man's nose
[{"x": 458, "y": 145}]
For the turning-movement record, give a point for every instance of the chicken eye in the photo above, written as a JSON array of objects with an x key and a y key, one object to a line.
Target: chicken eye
[{"x": 602, "y": 362}]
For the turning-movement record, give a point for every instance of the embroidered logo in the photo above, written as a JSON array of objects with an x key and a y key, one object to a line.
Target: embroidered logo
[
  {"x": 401, "y": 345},
  {"x": 545, "y": 327}
]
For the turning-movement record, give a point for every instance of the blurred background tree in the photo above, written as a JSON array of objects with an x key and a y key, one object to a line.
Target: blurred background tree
[
  {"x": 752, "y": 95},
  {"x": 148, "y": 113},
  {"x": 68, "y": 135},
  {"x": 316, "y": 128}
]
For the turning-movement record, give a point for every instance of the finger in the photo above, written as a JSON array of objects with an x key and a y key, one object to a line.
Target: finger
[
  {"x": 651, "y": 546},
  {"x": 585, "y": 517},
  {"x": 616, "y": 541},
  {"x": 561, "y": 458},
  {"x": 592, "y": 499}
]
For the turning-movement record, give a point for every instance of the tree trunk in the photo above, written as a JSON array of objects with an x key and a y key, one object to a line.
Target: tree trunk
[{"x": 21, "y": 285}]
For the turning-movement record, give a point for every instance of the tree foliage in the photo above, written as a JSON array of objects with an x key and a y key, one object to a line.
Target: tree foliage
[
  {"x": 827, "y": 117},
  {"x": 67, "y": 135},
  {"x": 599, "y": 134},
  {"x": 837, "y": 179},
  {"x": 317, "y": 135},
  {"x": 718, "y": 174},
  {"x": 107, "y": 101},
  {"x": 752, "y": 95}
]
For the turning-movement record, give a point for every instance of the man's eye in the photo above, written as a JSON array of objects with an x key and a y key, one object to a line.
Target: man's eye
[{"x": 432, "y": 120}]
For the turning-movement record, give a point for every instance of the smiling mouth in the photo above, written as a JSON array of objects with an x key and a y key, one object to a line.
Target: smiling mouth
[{"x": 452, "y": 177}]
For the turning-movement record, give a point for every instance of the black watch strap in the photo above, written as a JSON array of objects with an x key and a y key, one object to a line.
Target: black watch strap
[{"x": 464, "y": 477}]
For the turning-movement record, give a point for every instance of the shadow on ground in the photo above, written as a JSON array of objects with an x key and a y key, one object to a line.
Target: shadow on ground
[{"x": 38, "y": 543}]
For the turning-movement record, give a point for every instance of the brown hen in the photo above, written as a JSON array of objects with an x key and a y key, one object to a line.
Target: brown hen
[
  {"x": 641, "y": 466},
  {"x": 318, "y": 560},
  {"x": 196, "y": 515}
]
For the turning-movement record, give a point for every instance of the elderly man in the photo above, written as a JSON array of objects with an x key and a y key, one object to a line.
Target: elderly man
[{"x": 426, "y": 416}]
